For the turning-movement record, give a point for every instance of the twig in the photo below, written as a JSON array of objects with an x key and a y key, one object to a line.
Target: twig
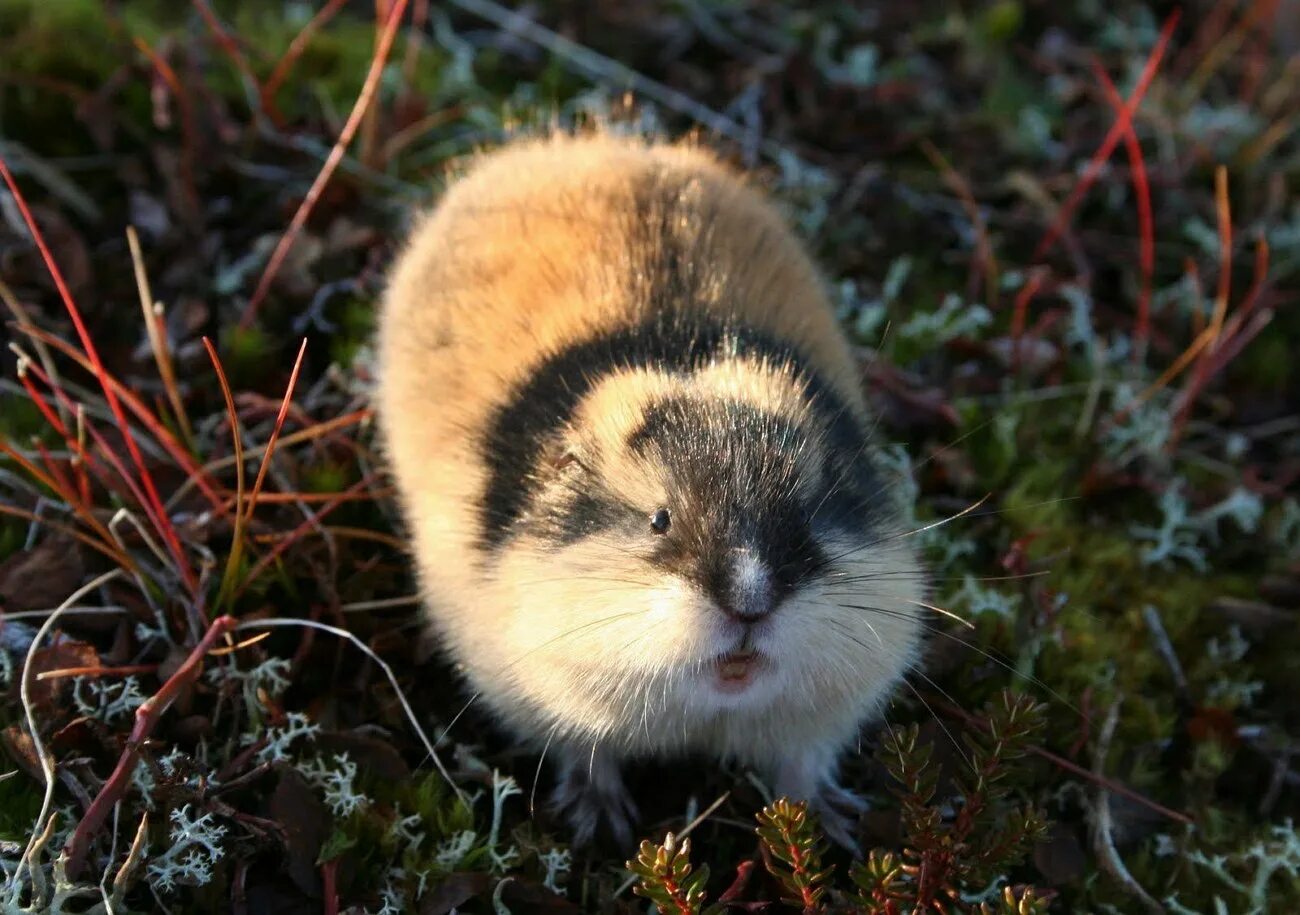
[
  {"x": 1113, "y": 136},
  {"x": 368, "y": 89},
  {"x": 146, "y": 719},
  {"x": 1146, "y": 221},
  {"x": 1103, "y": 840},
  {"x": 383, "y": 665},
  {"x": 38, "y": 746}
]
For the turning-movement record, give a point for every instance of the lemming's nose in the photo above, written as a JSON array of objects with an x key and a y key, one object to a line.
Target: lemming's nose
[{"x": 750, "y": 595}]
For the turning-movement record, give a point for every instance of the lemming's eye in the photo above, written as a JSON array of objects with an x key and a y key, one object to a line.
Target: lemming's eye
[{"x": 660, "y": 521}]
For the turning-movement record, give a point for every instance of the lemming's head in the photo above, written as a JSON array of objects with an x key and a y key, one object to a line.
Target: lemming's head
[{"x": 721, "y": 532}]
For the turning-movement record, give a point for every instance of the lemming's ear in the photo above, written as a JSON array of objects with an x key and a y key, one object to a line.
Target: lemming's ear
[{"x": 562, "y": 454}]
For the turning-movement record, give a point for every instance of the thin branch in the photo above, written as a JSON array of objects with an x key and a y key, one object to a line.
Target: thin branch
[{"x": 146, "y": 719}]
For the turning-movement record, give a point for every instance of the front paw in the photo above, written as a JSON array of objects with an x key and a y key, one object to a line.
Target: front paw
[
  {"x": 591, "y": 794},
  {"x": 839, "y": 811},
  {"x": 811, "y": 777}
]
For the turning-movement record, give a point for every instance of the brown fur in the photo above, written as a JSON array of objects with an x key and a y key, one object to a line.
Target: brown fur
[{"x": 535, "y": 249}]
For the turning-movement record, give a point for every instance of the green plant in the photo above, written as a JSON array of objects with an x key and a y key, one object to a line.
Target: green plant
[
  {"x": 955, "y": 849},
  {"x": 945, "y": 856},
  {"x": 794, "y": 849},
  {"x": 667, "y": 878}
]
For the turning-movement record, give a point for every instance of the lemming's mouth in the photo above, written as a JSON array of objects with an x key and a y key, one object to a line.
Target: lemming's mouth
[{"x": 736, "y": 670}]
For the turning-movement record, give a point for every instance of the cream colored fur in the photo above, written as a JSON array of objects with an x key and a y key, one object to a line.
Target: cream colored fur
[{"x": 589, "y": 648}]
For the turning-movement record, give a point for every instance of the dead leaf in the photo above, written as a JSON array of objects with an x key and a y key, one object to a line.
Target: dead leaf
[
  {"x": 21, "y": 750},
  {"x": 454, "y": 892},
  {"x": 306, "y": 825},
  {"x": 63, "y": 653},
  {"x": 42, "y": 576}
]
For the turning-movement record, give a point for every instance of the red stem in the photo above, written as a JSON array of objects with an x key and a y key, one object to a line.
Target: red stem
[
  {"x": 295, "y": 50},
  {"x": 146, "y": 719},
  {"x": 1146, "y": 221},
  {"x": 146, "y": 417},
  {"x": 162, "y": 521},
  {"x": 368, "y": 89},
  {"x": 1113, "y": 136},
  {"x": 329, "y": 881}
]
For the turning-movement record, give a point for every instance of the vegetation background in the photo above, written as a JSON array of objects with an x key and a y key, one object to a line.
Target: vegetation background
[{"x": 1065, "y": 238}]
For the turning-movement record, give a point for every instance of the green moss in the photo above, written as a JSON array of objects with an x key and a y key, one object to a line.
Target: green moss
[
  {"x": 19, "y": 804},
  {"x": 355, "y": 328},
  {"x": 37, "y": 39},
  {"x": 245, "y": 354}
]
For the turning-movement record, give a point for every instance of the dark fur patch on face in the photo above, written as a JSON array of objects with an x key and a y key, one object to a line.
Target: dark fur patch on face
[
  {"x": 546, "y": 402},
  {"x": 677, "y": 337},
  {"x": 733, "y": 473},
  {"x": 577, "y": 515}
]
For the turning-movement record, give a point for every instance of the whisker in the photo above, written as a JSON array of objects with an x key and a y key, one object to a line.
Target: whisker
[
  {"x": 1001, "y": 662},
  {"x": 948, "y": 613},
  {"x": 951, "y": 739},
  {"x": 537, "y": 776}
]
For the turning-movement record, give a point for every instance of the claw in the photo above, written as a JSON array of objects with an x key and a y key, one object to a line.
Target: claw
[{"x": 838, "y": 810}]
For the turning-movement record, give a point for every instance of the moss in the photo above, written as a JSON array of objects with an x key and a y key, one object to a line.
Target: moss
[
  {"x": 41, "y": 107},
  {"x": 19, "y": 804},
  {"x": 355, "y": 328}
]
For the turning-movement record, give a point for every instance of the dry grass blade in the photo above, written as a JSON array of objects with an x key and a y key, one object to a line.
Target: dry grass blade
[
  {"x": 157, "y": 335},
  {"x": 275, "y": 431},
  {"x": 237, "y": 443},
  {"x": 388, "y": 673},
  {"x": 33, "y": 729},
  {"x": 297, "y": 534},
  {"x": 364, "y": 98},
  {"x": 152, "y": 503},
  {"x": 197, "y": 474}
]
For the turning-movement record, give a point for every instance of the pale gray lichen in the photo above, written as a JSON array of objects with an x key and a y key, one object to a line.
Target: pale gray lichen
[
  {"x": 978, "y": 600},
  {"x": 953, "y": 318},
  {"x": 453, "y": 850},
  {"x": 1182, "y": 532},
  {"x": 557, "y": 862},
  {"x": 108, "y": 701},
  {"x": 1248, "y": 873},
  {"x": 503, "y": 788},
  {"x": 337, "y": 781},
  {"x": 280, "y": 738},
  {"x": 195, "y": 848}
]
